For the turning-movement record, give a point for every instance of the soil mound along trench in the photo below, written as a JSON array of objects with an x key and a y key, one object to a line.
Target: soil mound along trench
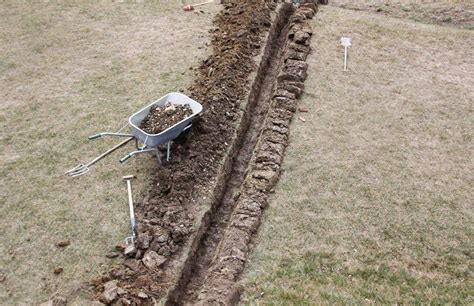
[
  {"x": 231, "y": 157},
  {"x": 223, "y": 249},
  {"x": 260, "y": 97}
]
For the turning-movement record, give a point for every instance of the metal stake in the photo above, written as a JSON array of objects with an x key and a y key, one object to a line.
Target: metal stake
[
  {"x": 346, "y": 42},
  {"x": 168, "y": 151}
]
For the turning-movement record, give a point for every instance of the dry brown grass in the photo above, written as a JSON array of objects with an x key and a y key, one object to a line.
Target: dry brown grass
[
  {"x": 375, "y": 204},
  {"x": 445, "y": 12},
  {"x": 69, "y": 70}
]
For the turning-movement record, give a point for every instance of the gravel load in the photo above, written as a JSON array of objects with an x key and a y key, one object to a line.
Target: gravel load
[{"x": 161, "y": 118}]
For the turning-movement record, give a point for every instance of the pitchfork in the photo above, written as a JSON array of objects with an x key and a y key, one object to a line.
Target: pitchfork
[{"x": 82, "y": 169}]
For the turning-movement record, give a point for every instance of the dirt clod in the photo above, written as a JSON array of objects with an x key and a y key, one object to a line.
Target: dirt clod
[
  {"x": 152, "y": 260},
  {"x": 120, "y": 247},
  {"x": 112, "y": 255},
  {"x": 161, "y": 118},
  {"x": 110, "y": 293},
  {"x": 63, "y": 243},
  {"x": 130, "y": 251}
]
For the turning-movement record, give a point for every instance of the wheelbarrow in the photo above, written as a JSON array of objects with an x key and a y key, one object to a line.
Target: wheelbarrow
[{"x": 145, "y": 142}]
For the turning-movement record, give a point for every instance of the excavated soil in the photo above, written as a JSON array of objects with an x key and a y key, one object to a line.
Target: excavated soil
[
  {"x": 259, "y": 102},
  {"x": 166, "y": 215},
  {"x": 244, "y": 125},
  {"x": 161, "y": 118},
  {"x": 222, "y": 253}
]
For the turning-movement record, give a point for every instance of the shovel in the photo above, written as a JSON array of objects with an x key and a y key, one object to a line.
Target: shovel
[{"x": 130, "y": 241}]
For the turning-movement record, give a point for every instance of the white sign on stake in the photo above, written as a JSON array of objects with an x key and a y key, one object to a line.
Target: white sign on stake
[{"x": 346, "y": 42}]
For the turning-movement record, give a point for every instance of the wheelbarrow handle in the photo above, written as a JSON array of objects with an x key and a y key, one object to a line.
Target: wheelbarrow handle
[
  {"x": 95, "y": 136},
  {"x": 110, "y": 134},
  {"x": 125, "y": 158}
]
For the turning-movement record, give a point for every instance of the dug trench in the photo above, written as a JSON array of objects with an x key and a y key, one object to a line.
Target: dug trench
[
  {"x": 190, "y": 283},
  {"x": 223, "y": 250},
  {"x": 198, "y": 219}
]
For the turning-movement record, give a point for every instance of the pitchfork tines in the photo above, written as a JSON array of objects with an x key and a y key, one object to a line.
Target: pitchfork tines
[
  {"x": 82, "y": 169},
  {"x": 78, "y": 170}
]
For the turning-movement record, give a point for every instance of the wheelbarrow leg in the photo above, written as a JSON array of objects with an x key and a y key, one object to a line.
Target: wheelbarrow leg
[
  {"x": 168, "y": 151},
  {"x": 158, "y": 156}
]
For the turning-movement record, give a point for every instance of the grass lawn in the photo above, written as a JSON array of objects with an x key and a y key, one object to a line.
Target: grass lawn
[
  {"x": 446, "y": 12},
  {"x": 376, "y": 201},
  {"x": 69, "y": 70}
]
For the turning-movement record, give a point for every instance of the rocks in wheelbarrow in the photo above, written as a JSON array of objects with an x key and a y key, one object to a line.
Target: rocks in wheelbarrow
[{"x": 161, "y": 118}]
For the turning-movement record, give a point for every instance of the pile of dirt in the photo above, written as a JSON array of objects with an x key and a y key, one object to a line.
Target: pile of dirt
[
  {"x": 166, "y": 215},
  {"x": 247, "y": 136},
  {"x": 161, "y": 118},
  {"x": 221, "y": 286}
]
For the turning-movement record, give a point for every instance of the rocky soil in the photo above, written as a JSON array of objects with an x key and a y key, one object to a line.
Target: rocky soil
[
  {"x": 161, "y": 118},
  {"x": 220, "y": 285},
  {"x": 166, "y": 215}
]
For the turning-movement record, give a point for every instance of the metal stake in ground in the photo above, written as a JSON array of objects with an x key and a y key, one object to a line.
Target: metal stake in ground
[
  {"x": 346, "y": 42},
  {"x": 130, "y": 241}
]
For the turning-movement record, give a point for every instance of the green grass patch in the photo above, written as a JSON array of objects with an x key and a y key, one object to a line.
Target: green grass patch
[{"x": 322, "y": 278}]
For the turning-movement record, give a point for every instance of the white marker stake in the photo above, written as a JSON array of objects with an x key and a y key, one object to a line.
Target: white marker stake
[{"x": 346, "y": 42}]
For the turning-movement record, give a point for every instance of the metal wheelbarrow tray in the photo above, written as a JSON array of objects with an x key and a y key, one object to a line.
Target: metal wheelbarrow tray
[
  {"x": 154, "y": 140},
  {"x": 150, "y": 141}
]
